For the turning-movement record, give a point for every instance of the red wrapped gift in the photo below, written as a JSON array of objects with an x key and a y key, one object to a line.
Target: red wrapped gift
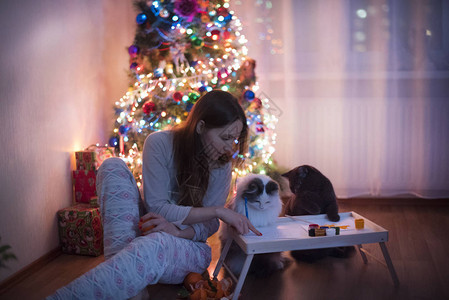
[
  {"x": 84, "y": 185},
  {"x": 92, "y": 157},
  {"x": 80, "y": 230},
  {"x": 86, "y": 160}
]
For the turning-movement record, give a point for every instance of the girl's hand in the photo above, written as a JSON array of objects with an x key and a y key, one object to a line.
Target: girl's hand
[
  {"x": 236, "y": 220},
  {"x": 152, "y": 222}
]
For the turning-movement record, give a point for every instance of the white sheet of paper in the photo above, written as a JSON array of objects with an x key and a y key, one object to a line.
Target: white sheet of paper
[{"x": 298, "y": 227}]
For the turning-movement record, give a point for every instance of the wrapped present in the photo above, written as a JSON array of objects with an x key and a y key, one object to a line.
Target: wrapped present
[
  {"x": 86, "y": 160},
  {"x": 84, "y": 185},
  {"x": 92, "y": 157},
  {"x": 80, "y": 230},
  {"x": 94, "y": 202}
]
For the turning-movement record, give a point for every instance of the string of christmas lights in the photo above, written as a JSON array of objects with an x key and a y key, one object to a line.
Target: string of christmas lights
[{"x": 183, "y": 49}]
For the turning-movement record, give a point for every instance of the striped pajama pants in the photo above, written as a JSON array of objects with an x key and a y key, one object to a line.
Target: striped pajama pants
[{"x": 132, "y": 261}]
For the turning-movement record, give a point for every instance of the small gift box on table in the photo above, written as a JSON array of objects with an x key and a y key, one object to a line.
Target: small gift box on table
[{"x": 80, "y": 230}]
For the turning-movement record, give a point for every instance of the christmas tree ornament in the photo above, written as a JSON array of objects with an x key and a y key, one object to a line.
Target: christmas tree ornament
[
  {"x": 141, "y": 18},
  {"x": 249, "y": 95},
  {"x": 177, "y": 96},
  {"x": 197, "y": 42},
  {"x": 158, "y": 72},
  {"x": 222, "y": 73},
  {"x": 226, "y": 35},
  {"x": 113, "y": 141},
  {"x": 123, "y": 129},
  {"x": 189, "y": 106},
  {"x": 148, "y": 107},
  {"x": 133, "y": 50},
  {"x": 222, "y": 11},
  {"x": 205, "y": 18},
  {"x": 193, "y": 97},
  {"x": 186, "y": 8},
  {"x": 215, "y": 34},
  {"x": 256, "y": 103},
  {"x": 164, "y": 13},
  {"x": 260, "y": 127}
]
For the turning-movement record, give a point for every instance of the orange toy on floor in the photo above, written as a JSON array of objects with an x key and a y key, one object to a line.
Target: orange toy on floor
[{"x": 202, "y": 287}]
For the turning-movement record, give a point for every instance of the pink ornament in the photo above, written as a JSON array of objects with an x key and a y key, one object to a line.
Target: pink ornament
[{"x": 222, "y": 73}]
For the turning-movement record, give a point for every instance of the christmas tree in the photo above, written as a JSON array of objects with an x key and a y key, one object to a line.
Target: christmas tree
[{"x": 181, "y": 50}]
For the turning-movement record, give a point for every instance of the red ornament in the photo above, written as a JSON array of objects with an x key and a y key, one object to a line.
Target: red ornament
[
  {"x": 148, "y": 107},
  {"x": 257, "y": 103},
  {"x": 215, "y": 34},
  {"x": 259, "y": 127},
  {"x": 222, "y": 11},
  {"x": 177, "y": 96},
  {"x": 226, "y": 35}
]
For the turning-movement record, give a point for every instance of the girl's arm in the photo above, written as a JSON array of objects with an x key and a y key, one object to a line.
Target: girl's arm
[
  {"x": 153, "y": 222},
  {"x": 230, "y": 217}
]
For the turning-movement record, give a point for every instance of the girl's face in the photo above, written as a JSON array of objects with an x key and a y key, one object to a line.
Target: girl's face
[{"x": 221, "y": 140}]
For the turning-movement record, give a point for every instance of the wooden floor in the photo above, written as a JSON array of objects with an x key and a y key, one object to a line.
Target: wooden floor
[{"x": 418, "y": 245}]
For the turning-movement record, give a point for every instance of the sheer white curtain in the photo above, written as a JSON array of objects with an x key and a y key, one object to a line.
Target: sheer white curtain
[{"x": 362, "y": 89}]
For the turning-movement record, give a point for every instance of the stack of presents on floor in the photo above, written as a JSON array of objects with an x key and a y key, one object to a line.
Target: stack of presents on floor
[{"x": 80, "y": 226}]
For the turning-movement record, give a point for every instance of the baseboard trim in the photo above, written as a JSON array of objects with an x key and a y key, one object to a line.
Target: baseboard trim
[
  {"x": 29, "y": 270},
  {"x": 394, "y": 201}
]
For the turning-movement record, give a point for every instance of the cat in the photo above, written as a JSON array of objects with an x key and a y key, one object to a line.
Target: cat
[
  {"x": 313, "y": 195},
  {"x": 264, "y": 207}
]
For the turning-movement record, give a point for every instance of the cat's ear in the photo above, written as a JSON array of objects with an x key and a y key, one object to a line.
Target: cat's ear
[
  {"x": 286, "y": 175},
  {"x": 252, "y": 188},
  {"x": 271, "y": 187},
  {"x": 255, "y": 187}
]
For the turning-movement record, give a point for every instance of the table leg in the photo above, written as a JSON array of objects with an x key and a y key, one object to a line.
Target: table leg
[
  {"x": 242, "y": 276},
  {"x": 223, "y": 254},
  {"x": 362, "y": 254},
  {"x": 390, "y": 266}
]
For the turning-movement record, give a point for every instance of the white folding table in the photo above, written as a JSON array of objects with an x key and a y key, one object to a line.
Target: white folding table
[{"x": 291, "y": 233}]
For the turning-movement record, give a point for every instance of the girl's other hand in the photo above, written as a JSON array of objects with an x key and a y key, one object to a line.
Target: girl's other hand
[
  {"x": 236, "y": 220},
  {"x": 152, "y": 222}
]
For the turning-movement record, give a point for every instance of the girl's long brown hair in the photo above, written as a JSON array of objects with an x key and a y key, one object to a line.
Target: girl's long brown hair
[{"x": 217, "y": 109}]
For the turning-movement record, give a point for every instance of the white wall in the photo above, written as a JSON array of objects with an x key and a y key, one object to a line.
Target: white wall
[{"x": 63, "y": 64}]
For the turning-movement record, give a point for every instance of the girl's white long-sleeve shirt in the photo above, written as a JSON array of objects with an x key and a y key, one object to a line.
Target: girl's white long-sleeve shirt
[{"x": 160, "y": 187}]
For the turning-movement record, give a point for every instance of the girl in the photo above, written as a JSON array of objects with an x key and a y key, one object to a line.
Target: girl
[{"x": 186, "y": 180}]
